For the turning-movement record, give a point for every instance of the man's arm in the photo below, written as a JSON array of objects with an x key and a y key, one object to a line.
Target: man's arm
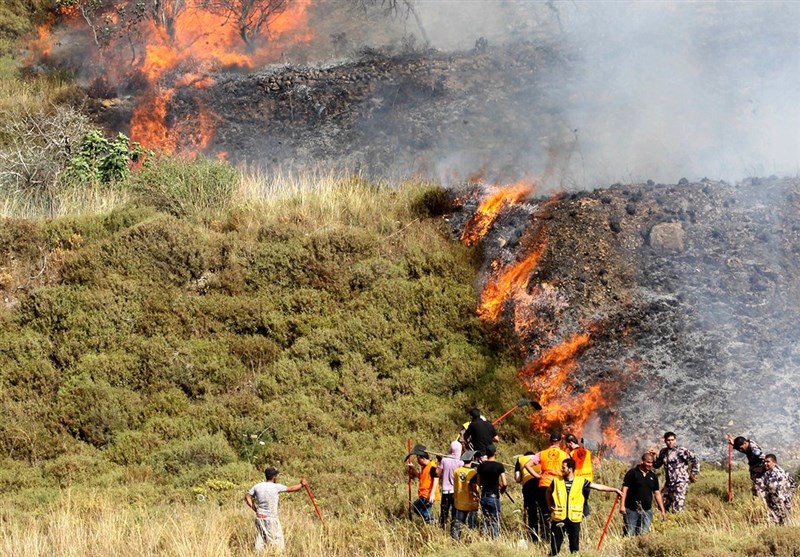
[
  {"x": 296, "y": 487},
  {"x": 503, "y": 481},
  {"x": 248, "y": 499},
  {"x": 601, "y": 487},
  {"x": 694, "y": 464},
  {"x": 660, "y": 503},
  {"x": 623, "y": 495},
  {"x": 548, "y": 497},
  {"x": 529, "y": 467},
  {"x": 432, "y": 496}
]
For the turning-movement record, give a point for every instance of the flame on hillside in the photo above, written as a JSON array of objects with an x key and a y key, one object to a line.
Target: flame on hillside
[
  {"x": 177, "y": 48},
  {"x": 490, "y": 207},
  {"x": 550, "y": 373}
]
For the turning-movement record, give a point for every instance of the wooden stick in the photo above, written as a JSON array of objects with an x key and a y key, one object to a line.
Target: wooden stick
[
  {"x": 409, "y": 479},
  {"x": 608, "y": 521},
  {"x": 316, "y": 508},
  {"x": 730, "y": 481}
]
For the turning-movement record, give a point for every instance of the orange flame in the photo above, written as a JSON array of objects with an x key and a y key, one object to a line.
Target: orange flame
[
  {"x": 511, "y": 280},
  {"x": 477, "y": 226}
]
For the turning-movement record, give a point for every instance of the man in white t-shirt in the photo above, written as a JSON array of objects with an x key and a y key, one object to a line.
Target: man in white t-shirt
[{"x": 263, "y": 499}]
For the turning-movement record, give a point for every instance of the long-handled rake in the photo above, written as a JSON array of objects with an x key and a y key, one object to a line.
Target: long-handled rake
[{"x": 519, "y": 404}]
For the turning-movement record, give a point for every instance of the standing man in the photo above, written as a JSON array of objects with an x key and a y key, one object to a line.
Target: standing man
[
  {"x": 480, "y": 433},
  {"x": 491, "y": 477},
  {"x": 263, "y": 499},
  {"x": 639, "y": 487},
  {"x": 428, "y": 483},
  {"x": 466, "y": 498},
  {"x": 445, "y": 470},
  {"x": 566, "y": 497},
  {"x": 530, "y": 494},
  {"x": 780, "y": 487},
  {"x": 583, "y": 463},
  {"x": 681, "y": 467},
  {"x": 755, "y": 461},
  {"x": 550, "y": 460}
]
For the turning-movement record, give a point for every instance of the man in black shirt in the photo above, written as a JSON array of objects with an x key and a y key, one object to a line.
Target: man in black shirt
[
  {"x": 639, "y": 487},
  {"x": 491, "y": 476},
  {"x": 479, "y": 433}
]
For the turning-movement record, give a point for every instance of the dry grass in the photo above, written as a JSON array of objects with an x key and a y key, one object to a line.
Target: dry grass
[{"x": 82, "y": 523}]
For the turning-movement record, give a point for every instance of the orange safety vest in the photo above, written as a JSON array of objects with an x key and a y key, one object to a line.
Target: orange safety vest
[
  {"x": 465, "y": 493},
  {"x": 551, "y": 460},
  {"x": 426, "y": 480},
  {"x": 568, "y": 505},
  {"x": 583, "y": 463}
]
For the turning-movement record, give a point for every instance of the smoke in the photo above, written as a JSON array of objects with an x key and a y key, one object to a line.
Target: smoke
[{"x": 652, "y": 90}]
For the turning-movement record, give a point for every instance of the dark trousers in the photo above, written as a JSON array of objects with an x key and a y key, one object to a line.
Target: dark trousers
[
  {"x": 447, "y": 509},
  {"x": 558, "y": 529},
  {"x": 530, "y": 500},
  {"x": 544, "y": 511},
  {"x": 460, "y": 518}
]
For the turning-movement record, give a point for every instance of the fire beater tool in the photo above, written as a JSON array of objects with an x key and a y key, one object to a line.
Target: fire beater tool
[
  {"x": 409, "y": 478},
  {"x": 522, "y": 402},
  {"x": 730, "y": 482},
  {"x": 608, "y": 521},
  {"x": 313, "y": 502}
]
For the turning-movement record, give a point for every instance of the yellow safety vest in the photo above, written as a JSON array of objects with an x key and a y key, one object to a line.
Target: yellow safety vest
[
  {"x": 568, "y": 506},
  {"x": 527, "y": 476},
  {"x": 551, "y": 460},
  {"x": 583, "y": 463},
  {"x": 465, "y": 495}
]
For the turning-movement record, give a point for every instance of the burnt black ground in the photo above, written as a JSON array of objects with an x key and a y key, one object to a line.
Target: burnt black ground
[{"x": 695, "y": 286}]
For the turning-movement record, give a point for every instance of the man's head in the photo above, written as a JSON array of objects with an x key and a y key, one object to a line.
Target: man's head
[
  {"x": 271, "y": 473},
  {"x": 571, "y": 441},
  {"x": 567, "y": 467},
  {"x": 647, "y": 462},
  {"x": 423, "y": 459},
  {"x": 670, "y": 440},
  {"x": 741, "y": 444},
  {"x": 474, "y": 414},
  {"x": 770, "y": 461},
  {"x": 555, "y": 437},
  {"x": 490, "y": 451}
]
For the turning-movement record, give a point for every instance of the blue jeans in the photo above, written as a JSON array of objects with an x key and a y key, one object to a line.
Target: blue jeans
[
  {"x": 470, "y": 518},
  {"x": 637, "y": 522},
  {"x": 490, "y": 514},
  {"x": 423, "y": 507}
]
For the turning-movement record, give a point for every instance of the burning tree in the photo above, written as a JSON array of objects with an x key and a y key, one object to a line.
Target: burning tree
[{"x": 252, "y": 17}]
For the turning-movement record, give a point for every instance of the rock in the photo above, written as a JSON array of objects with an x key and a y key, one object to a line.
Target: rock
[{"x": 667, "y": 236}]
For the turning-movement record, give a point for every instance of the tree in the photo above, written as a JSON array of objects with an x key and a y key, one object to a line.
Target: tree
[
  {"x": 394, "y": 8},
  {"x": 252, "y": 17}
]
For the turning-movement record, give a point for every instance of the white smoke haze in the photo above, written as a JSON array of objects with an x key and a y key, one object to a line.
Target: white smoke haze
[{"x": 655, "y": 90}]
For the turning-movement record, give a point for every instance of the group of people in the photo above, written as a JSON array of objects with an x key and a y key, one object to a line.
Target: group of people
[
  {"x": 556, "y": 483},
  {"x": 557, "y": 480},
  {"x": 771, "y": 483}
]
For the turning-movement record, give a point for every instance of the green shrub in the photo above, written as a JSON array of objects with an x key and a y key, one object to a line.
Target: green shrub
[
  {"x": 71, "y": 469},
  {"x": 94, "y": 411},
  {"x": 132, "y": 447},
  {"x": 182, "y": 188},
  {"x": 183, "y": 455}
]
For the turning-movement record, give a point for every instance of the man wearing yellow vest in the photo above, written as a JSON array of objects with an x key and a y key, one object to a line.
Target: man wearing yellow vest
[
  {"x": 565, "y": 498},
  {"x": 583, "y": 463},
  {"x": 466, "y": 499},
  {"x": 550, "y": 460},
  {"x": 530, "y": 494}
]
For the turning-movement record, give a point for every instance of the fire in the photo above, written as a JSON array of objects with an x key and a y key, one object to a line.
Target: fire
[
  {"x": 490, "y": 207},
  {"x": 178, "y": 47},
  {"x": 511, "y": 281}
]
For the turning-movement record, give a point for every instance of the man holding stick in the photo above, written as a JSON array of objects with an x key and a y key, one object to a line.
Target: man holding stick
[
  {"x": 263, "y": 499},
  {"x": 566, "y": 497}
]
